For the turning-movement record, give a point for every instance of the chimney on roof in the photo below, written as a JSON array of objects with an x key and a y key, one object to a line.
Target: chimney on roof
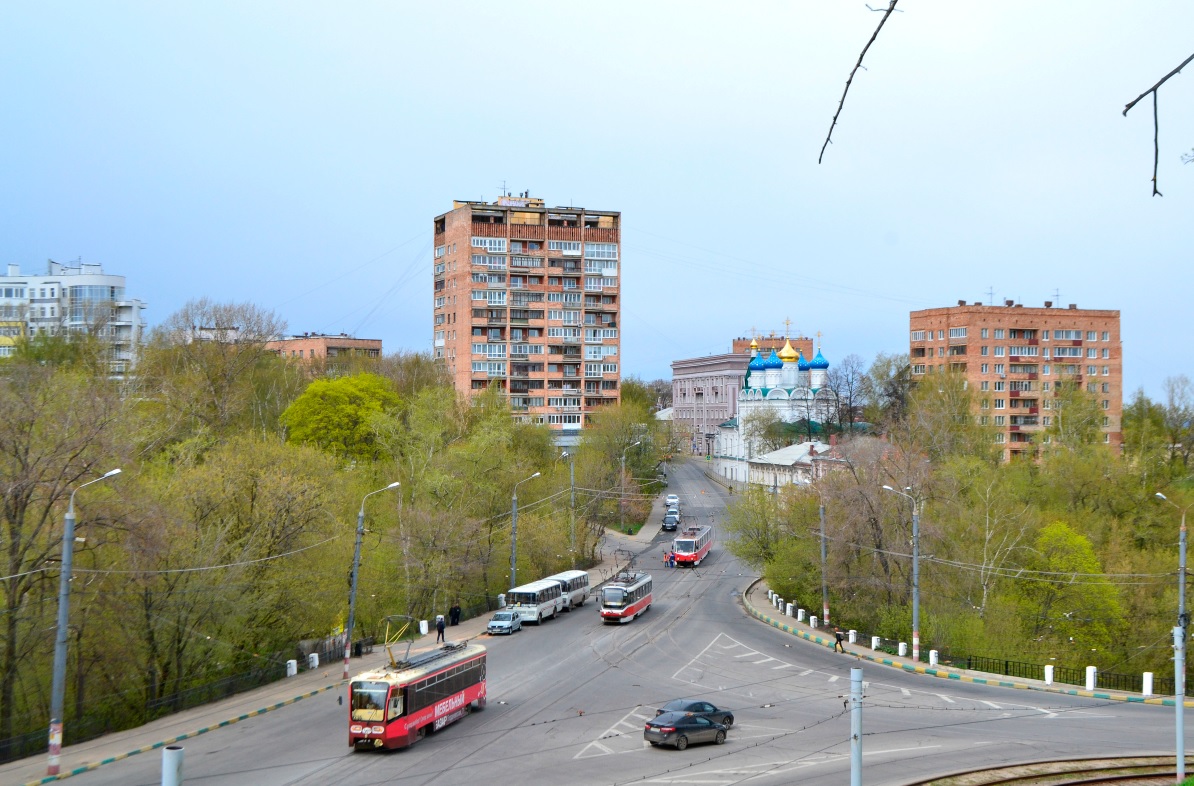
[
  {"x": 812, "y": 450},
  {"x": 978, "y": 302},
  {"x": 1073, "y": 306},
  {"x": 961, "y": 302},
  {"x": 1048, "y": 304},
  {"x": 832, "y": 440},
  {"x": 1008, "y": 303}
]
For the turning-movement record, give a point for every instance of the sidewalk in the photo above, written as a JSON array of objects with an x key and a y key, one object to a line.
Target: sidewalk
[
  {"x": 616, "y": 549},
  {"x": 755, "y": 602}
]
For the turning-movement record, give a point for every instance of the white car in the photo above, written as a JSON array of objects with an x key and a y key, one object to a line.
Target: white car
[
  {"x": 671, "y": 501},
  {"x": 504, "y": 622}
]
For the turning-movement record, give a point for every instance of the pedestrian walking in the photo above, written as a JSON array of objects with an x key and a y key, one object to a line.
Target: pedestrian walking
[
  {"x": 454, "y": 614},
  {"x": 838, "y": 639},
  {"x": 439, "y": 628}
]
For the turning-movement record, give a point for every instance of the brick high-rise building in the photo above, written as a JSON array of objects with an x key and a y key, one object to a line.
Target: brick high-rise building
[
  {"x": 1013, "y": 357},
  {"x": 527, "y": 297}
]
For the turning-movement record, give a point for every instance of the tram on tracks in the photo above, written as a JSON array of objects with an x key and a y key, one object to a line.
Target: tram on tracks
[
  {"x": 625, "y": 597},
  {"x": 396, "y": 705},
  {"x": 692, "y": 545}
]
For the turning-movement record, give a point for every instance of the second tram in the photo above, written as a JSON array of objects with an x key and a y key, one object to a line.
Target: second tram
[
  {"x": 692, "y": 546},
  {"x": 625, "y": 597}
]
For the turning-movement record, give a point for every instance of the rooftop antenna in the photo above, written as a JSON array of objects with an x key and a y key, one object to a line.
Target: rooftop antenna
[
  {"x": 1056, "y": 295},
  {"x": 504, "y": 193},
  {"x": 990, "y": 293}
]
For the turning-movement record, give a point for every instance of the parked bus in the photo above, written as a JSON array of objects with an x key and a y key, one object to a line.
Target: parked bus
[
  {"x": 396, "y": 705},
  {"x": 536, "y": 601},
  {"x": 692, "y": 545},
  {"x": 574, "y": 584},
  {"x": 625, "y": 597}
]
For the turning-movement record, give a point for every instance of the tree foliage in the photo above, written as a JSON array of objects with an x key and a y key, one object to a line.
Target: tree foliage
[{"x": 336, "y": 415}]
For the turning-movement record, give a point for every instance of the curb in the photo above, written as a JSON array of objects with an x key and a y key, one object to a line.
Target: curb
[
  {"x": 944, "y": 673},
  {"x": 163, "y": 743}
]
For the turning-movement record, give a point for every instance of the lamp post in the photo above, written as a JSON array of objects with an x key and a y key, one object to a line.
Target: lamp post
[
  {"x": 622, "y": 483},
  {"x": 824, "y": 580},
  {"x": 514, "y": 530},
  {"x": 1179, "y": 645},
  {"x": 356, "y": 568},
  {"x": 915, "y": 571},
  {"x": 571, "y": 503},
  {"x": 58, "y": 680}
]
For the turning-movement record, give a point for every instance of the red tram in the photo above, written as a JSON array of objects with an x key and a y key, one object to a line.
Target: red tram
[
  {"x": 396, "y": 705},
  {"x": 692, "y": 546},
  {"x": 625, "y": 597}
]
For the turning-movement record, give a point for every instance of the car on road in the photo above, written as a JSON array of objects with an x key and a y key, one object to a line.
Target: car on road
[
  {"x": 504, "y": 622},
  {"x": 671, "y": 521},
  {"x": 698, "y": 707},
  {"x": 681, "y": 728},
  {"x": 673, "y": 511},
  {"x": 671, "y": 501}
]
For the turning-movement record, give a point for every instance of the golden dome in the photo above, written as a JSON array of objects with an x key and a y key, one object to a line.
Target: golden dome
[
  {"x": 787, "y": 354},
  {"x": 754, "y": 344}
]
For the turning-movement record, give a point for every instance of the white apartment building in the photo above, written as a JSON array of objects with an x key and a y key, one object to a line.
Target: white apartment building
[{"x": 79, "y": 299}]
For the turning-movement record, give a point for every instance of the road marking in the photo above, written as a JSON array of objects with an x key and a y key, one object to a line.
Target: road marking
[
  {"x": 784, "y": 666},
  {"x": 806, "y": 672},
  {"x": 992, "y": 705},
  {"x": 943, "y": 697},
  {"x": 834, "y": 678},
  {"x": 906, "y": 692},
  {"x": 598, "y": 748}
]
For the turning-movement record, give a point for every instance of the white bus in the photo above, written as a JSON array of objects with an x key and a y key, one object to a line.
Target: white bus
[
  {"x": 575, "y": 586},
  {"x": 536, "y": 601}
]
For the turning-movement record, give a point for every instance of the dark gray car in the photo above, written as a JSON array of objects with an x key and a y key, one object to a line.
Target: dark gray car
[
  {"x": 670, "y": 522},
  {"x": 681, "y": 728},
  {"x": 698, "y": 707}
]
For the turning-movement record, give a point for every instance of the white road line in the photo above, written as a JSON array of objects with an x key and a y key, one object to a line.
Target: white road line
[
  {"x": 764, "y": 660},
  {"x": 806, "y": 672},
  {"x": 905, "y": 691},
  {"x": 943, "y": 697},
  {"x": 992, "y": 705},
  {"x": 784, "y": 666},
  {"x": 834, "y": 678}
]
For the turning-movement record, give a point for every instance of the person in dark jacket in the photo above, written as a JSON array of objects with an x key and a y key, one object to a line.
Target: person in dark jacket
[
  {"x": 454, "y": 614},
  {"x": 439, "y": 628}
]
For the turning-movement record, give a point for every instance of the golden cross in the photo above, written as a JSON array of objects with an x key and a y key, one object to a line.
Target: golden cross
[
  {"x": 787, "y": 327},
  {"x": 818, "y": 341}
]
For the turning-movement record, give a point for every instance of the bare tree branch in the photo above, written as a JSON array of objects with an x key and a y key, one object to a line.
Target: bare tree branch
[
  {"x": 1156, "y": 129},
  {"x": 890, "y": 8}
]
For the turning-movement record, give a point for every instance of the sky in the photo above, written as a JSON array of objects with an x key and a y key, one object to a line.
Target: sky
[{"x": 294, "y": 154}]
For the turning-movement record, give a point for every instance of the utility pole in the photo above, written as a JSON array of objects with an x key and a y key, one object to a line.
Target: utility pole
[
  {"x": 1179, "y": 646},
  {"x": 855, "y": 727},
  {"x": 622, "y": 483},
  {"x": 356, "y": 569},
  {"x": 915, "y": 569},
  {"x": 571, "y": 504},
  {"x": 514, "y": 531},
  {"x": 824, "y": 581}
]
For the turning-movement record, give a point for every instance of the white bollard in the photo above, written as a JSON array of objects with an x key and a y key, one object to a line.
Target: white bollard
[
  {"x": 875, "y": 641},
  {"x": 501, "y": 600},
  {"x": 1092, "y": 677},
  {"x": 172, "y": 765},
  {"x": 779, "y": 602},
  {"x": 788, "y": 610},
  {"x": 313, "y": 660},
  {"x": 291, "y": 668},
  {"x": 853, "y": 637},
  {"x": 932, "y": 657},
  {"x": 1147, "y": 688},
  {"x": 770, "y": 596},
  {"x": 812, "y": 622},
  {"x": 423, "y": 627},
  {"x": 903, "y": 649},
  {"x": 1048, "y": 675},
  {"x": 800, "y": 615}
]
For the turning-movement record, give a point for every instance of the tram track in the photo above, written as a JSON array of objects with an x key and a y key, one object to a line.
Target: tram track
[{"x": 1126, "y": 771}]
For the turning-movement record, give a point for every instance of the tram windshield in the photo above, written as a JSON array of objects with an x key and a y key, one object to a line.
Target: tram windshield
[
  {"x": 368, "y": 700},
  {"x": 685, "y": 545},
  {"x": 613, "y": 596}
]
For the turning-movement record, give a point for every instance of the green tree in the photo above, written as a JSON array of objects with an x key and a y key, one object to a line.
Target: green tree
[
  {"x": 886, "y": 388},
  {"x": 940, "y": 421},
  {"x": 337, "y": 415}
]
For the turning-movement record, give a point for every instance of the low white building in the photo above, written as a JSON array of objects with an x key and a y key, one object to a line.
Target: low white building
[{"x": 80, "y": 299}]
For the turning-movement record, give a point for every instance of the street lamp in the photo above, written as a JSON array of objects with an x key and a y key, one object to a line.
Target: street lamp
[
  {"x": 1179, "y": 645},
  {"x": 58, "y": 680},
  {"x": 514, "y": 530},
  {"x": 915, "y": 571},
  {"x": 622, "y": 482},
  {"x": 824, "y": 581},
  {"x": 356, "y": 568},
  {"x": 571, "y": 503}
]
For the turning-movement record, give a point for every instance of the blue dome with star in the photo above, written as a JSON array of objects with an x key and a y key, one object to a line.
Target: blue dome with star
[
  {"x": 773, "y": 361},
  {"x": 802, "y": 364},
  {"x": 757, "y": 364},
  {"x": 819, "y": 362}
]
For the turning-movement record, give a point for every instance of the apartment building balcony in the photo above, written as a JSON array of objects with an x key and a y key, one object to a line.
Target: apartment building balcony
[
  {"x": 487, "y": 229},
  {"x": 527, "y": 232},
  {"x": 1016, "y": 421},
  {"x": 563, "y": 233},
  {"x": 601, "y": 234}
]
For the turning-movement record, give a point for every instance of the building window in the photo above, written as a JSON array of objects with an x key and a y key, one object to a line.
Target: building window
[
  {"x": 1091, "y": 370},
  {"x": 984, "y": 404},
  {"x": 998, "y": 368},
  {"x": 985, "y": 368},
  {"x": 1106, "y": 404},
  {"x": 999, "y": 420},
  {"x": 983, "y": 351},
  {"x": 1090, "y": 335},
  {"x": 1045, "y": 387},
  {"x": 601, "y": 250},
  {"x": 918, "y": 369},
  {"x": 1106, "y": 387},
  {"x": 569, "y": 247},
  {"x": 1067, "y": 335},
  {"x": 999, "y": 385},
  {"x": 984, "y": 333},
  {"x": 918, "y": 335},
  {"x": 1000, "y": 437},
  {"x": 496, "y": 245},
  {"x": 998, "y": 332},
  {"x": 1046, "y": 420},
  {"x": 998, "y": 352},
  {"x": 940, "y": 352},
  {"x": 1106, "y": 422},
  {"x": 1092, "y": 352},
  {"x": 983, "y": 420},
  {"x": 983, "y": 385},
  {"x": 1106, "y": 336},
  {"x": 957, "y": 332},
  {"x": 940, "y": 335},
  {"x": 999, "y": 403}
]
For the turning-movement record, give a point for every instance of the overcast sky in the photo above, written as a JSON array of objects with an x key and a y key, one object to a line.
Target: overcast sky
[{"x": 294, "y": 155}]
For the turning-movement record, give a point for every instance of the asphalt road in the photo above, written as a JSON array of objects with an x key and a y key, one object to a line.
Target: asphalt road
[{"x": 567, "y": 703}]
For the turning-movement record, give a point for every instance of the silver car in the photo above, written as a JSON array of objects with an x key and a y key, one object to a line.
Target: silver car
[{"x": 504, "y": 622}]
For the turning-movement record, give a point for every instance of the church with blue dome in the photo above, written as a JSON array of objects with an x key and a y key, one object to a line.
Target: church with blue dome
[{"x": 781, "y": 386}]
